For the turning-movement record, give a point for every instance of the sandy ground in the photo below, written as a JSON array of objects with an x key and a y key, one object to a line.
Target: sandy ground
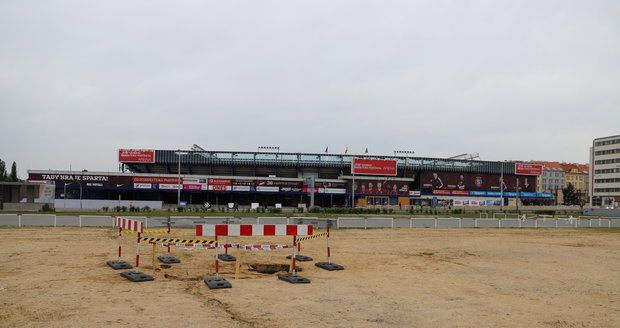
[{"x": 56, "y": 277}]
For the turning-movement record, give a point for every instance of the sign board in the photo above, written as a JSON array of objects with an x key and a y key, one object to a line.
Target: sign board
[
  {"x": 136, "y": 156},
  {"x": 528, "y": 169},
  {"x": 374, "y": 166}
]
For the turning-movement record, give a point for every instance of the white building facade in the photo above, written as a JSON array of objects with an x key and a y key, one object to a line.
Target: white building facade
[{"x": 605, "y": 171}]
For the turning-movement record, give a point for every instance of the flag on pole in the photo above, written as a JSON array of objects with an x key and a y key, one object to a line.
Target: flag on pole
[
  {"x": 326, "y": 149},
  {"x": 366, "y": 152},
  {"x": 346, "y": 150}
]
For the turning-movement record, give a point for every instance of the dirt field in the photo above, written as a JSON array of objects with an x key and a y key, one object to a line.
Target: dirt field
[{"x": 56, "y": 277}]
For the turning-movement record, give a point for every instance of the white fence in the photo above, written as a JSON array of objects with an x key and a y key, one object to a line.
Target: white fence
[{"x": 52, "y": 220}]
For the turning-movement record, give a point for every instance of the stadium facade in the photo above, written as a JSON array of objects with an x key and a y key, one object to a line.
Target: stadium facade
[{"x": 268, "y": 178}]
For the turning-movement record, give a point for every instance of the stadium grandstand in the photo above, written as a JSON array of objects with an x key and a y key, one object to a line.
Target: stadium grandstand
[{"x": 198, "y": 176}]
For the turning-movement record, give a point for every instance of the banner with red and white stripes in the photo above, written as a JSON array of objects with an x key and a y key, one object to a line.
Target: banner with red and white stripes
[
  {"x": 128, "y": 224},
  {"x": 253, "y": 230},
  {"x": 222, "y": 247}
]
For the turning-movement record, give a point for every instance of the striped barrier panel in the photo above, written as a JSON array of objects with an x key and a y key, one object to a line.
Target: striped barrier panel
[
  {"x": 176, "y": 240},
  {"x": 241, "y": 247},
  {"x": 129, "y": 224},
  {"x": 318, "y": 235},
  {"x": 254, "y": 230},
  {"x": 147, "y": 231}
]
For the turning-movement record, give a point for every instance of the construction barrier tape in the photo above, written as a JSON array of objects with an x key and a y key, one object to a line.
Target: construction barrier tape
[
  {"x": 177, "y": 240},
  {"x": 147, "y": 231},
  {"x": 189, "y": 246},
  {"x": 312, "y": 237}
]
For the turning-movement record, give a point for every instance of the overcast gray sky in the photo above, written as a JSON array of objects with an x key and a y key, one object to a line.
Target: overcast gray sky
[{"x": 507, "y": 79}]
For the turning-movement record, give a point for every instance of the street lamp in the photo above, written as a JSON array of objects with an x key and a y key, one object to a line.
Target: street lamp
[{"x": 179, "y": 154}]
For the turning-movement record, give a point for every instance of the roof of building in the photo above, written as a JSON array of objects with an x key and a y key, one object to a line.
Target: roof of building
[{"x": 565, "y": 167}]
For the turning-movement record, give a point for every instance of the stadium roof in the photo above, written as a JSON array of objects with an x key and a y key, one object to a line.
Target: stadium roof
[{"x": 245, "y": 158}]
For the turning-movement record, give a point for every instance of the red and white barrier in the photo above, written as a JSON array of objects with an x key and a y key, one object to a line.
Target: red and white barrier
[
  {"x": 129, "y": 224},
  {"x": 254, "y": 230},
  {"x": 132, "y": 225}
]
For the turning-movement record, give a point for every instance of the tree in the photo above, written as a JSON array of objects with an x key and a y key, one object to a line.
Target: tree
[
  {"x": 13, "y": 176},
  {"x": 570, "y": 196},
  {"x": 2, "y": 171}
]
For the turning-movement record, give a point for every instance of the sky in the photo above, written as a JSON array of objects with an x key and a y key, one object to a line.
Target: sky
[{"x": 518, "y": 80}]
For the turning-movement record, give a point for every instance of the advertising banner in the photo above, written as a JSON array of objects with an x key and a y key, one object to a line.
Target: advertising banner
[
  {"x": 136, "y": 156},
  {"x": 431, "y": 181},
  {"x": 219, "y": 184},
  {"x": 528, "y": 169},
  {"x": 290, "y": 189},
  {"x": 381, "y": 187},
  {"x": 267, "y": 189},
  {"x": 148, "y": 179},
  {"x": 193, "y": 186},
  {"x": 194, "y": 180},
  {"x": 331, "y": 187},
  {"x": 142, "y": 185},
  {"x": 374, "y": 166},
  {"x": 169, "y": 186},
  {"x": 68, "y": 178},
  {"x": 47, "y": 193},
  {"x": 279, "y": 183}
]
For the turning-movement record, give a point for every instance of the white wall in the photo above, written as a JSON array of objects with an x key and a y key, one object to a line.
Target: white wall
[{"x": 95, "y": 204}]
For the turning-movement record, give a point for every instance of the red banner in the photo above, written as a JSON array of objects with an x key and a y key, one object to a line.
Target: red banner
[
  {"x": 528, "y": 169},
  {"x": 374, "y": 166},
  {"x": 147, "y": 179},
  {"x": 136, "y": 156}
]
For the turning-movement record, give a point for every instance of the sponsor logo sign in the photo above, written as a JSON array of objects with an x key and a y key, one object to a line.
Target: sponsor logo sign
[
  {"x": 374, "y": 166},
  {"x": 267, "y": 188},
  {"x": 169, "y": 186},
  {"x": 528, "y": 169},
  {"x": 215, "y": 184},
  {"x": 192, "y": 187},
  {"x": 381, "y": 187},
  {"x": 164, "y": 180},
  {"x": 335, "y": 190},
  {"x": 136, "y": 156},
  {"x": 142, "y": 185},
  {"x": 78, "y": 178}
]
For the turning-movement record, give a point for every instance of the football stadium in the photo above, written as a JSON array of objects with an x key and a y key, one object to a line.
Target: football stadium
[{"x": 165, "y": 178}]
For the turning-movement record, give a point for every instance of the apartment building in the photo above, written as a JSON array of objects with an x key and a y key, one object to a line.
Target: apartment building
[{"x": 605, "y": 168}]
